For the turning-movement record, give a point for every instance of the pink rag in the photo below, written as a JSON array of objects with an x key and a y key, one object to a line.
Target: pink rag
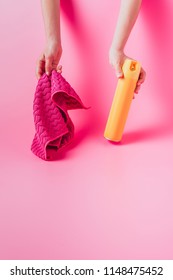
[{"x": 53, "y": 126}]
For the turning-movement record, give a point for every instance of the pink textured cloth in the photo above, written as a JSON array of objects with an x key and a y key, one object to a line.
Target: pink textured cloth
[{"x": 53, "y": 127}]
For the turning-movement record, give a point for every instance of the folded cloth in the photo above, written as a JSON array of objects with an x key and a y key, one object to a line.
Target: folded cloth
[{"x": 53, "y": 126}]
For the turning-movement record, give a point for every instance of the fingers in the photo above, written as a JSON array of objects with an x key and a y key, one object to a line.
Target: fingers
[
  {"x": 40, "y": 67},
  {"x": 46, "y": 65},
  {"x": 59, "y": 69},
  {"x": 140, "y": 81},
  {"x": 116, "y": 59},
  {"x": 118, "y": 70},
  {"x": 52, "y": 65},
  {"x": 137, "y": 89},
  {"x": 49, "y": 65},
  {"x": 142, "y": 77}
]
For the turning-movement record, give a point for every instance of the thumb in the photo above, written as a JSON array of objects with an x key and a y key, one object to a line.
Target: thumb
[
  {"x": 48, "y": 65},
  {"x": 118, "y": 69}
]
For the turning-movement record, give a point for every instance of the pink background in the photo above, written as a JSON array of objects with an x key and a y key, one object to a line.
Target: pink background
[{"x": 99, "y": 200}]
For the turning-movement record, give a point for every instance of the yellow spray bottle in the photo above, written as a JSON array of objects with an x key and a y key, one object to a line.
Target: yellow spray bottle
[{"x": 122, "y": 100}]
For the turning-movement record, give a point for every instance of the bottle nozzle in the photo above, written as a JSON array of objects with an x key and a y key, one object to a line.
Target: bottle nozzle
[{"x": 133, "y": 66}]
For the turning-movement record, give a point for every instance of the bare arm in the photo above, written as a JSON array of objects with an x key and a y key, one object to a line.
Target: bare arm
[
  {"x": 128, "y": 14},
  {"x": 129, "y": 10},
  {"x": 51, "y": 16},
  {"x": 50, "y": 57}
]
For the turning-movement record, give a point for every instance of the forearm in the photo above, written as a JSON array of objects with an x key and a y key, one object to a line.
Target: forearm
[
  {"x": 51, "y": 16},
  {"x": 128, "y": 14}
]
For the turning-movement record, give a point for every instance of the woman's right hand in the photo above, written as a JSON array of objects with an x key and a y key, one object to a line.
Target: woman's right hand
[
  {"x": 116, "y": 59},
  {"x": 49, "y": 59}
]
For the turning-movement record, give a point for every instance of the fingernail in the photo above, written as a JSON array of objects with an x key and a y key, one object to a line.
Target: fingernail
[{"x": 119, "y": 75}]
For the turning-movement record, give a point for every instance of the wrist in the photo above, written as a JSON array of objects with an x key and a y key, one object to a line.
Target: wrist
[
  {"x": 53, "y": 39},
  {"x": 116, "y": 51},
  {"x": 116, "y": 47}
]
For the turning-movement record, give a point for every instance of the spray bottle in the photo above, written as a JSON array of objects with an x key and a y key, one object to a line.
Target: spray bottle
[{"x": 122, "y": 100}]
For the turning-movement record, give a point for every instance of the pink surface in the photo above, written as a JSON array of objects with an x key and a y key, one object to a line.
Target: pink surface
[
  {"x": 98, "y": 200},
  {"x": 54, "y": 128}
]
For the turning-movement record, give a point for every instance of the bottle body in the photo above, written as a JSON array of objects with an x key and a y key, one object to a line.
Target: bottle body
[{"x": 122, "y": 100}]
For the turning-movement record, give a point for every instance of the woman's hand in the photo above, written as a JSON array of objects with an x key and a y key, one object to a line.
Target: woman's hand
[
  {"x": 49, "y": 59},
  {"x": 116, "y": 59}
]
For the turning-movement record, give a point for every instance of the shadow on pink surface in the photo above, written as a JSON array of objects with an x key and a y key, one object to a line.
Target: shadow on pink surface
[
  {"x": 146, "y": 134},
  {"x": 73, "y": 18},
  {"x": 158, "y": 18},
  {"x": 89, "y": 58},
  {"x": 154, "y": 132},
  {"x": 68, "y": 9}
]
